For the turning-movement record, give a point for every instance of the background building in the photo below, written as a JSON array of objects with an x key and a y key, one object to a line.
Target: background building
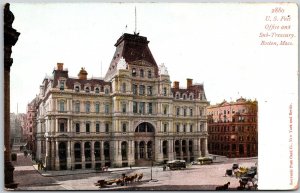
[
  {"x": 31, "y": 125},
  {"x": 17, "y": 127},
  {"x": 232, "y": 128},
  {"x": 130, "y": 117}
]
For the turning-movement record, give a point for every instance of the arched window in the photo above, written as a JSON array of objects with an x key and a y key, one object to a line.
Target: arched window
[
  {"x": 87, "y": 89},
  {"x": 141, "y": 73},
  {"x": 124, "y": 127},
  {"x": 97, "y": 90}
]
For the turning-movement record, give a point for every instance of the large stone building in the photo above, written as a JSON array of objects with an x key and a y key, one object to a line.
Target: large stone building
[
  {"x": 232, "y": 128},
  {"x": 130, "y": 117}
]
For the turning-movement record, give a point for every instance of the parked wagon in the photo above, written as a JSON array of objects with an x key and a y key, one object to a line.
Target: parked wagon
[{"x": 176, "y": 164}]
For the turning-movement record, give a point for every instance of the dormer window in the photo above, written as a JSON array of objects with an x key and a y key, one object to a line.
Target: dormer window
[
  {"x": 184, "y": 97},
  {"x": 191, "y": 96},
  {"x": 61, "y": 85},
  {"x": 177, "y": 96},
  {"x": 106, "y": 91},
  {"x": 149, "y": 74},
  {"x": 133, "y": 72},
  {"x": 141, "y": 73},
  {"x": 76, "y": 88},
  {"x": 97, "y": 90},
  {"x": 165, "y": 91},
  {"x": 87, "y": 89}
]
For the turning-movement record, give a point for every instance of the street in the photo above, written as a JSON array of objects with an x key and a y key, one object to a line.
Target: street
[{"x": 194, "y": 177}]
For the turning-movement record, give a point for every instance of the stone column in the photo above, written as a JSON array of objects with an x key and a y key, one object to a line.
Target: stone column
[
  {"x": 205, "y": 147},
  {"x": 188, "y": 151},
  {"x": 56, "y": 156},
  {"x": 146, "y": 150},
  {"x": 199, "y": 147},
  {"x": 68, "y": 126},
  {"x": 56, "y": 125},
  {"x": 47, "y": 157},
  {"x": 52, "y": 126},
  {"x": 93, "y": 154},
  {"x": 131, "y": 152},
  {"x": 180, "y": 149},
  {"x": 170, "y": 149},
  {"x": 69, "y": 157},
  {"x": 138, "y": 150},
  {"x": 82, "y": 155},
  {"x": 102, "y": 153},
  {"x": 72, "y": 155},
  {"x": 52, "y": 154}
]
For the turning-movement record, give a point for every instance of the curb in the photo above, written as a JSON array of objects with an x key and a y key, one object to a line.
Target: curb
[{"x": 75, "y": 172}]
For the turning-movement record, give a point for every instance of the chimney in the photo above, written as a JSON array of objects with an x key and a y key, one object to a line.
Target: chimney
[
  {"x": 176, "y": 85},
  {"x": 82, "y": 74},
  {"x": 60, "y": 66},
  {"x": 189, "y": 83}
]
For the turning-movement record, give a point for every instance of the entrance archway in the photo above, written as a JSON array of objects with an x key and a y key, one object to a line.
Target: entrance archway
[
  {"x": 145, "y": 127},
  {"x": 144, "y": 138}
]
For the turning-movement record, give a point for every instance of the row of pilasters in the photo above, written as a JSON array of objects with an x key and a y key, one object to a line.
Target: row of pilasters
[
  {"x": 52, "y": 159},
  {"x": 199, "y": 148}
]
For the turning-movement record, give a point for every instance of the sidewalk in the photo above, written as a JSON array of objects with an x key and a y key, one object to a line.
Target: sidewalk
[{"x": 52, "y": 173}]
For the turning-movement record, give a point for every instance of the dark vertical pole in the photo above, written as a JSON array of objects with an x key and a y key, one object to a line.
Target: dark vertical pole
[{"x": 10, "y": 39}]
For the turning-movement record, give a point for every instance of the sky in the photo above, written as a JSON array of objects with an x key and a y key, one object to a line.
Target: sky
[
  {"x": 214, "y": 44},
  {"x": 211, "y": 44}
]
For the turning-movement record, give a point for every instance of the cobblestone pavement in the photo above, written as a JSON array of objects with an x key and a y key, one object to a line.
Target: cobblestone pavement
[{"x": 196, "y": 177}]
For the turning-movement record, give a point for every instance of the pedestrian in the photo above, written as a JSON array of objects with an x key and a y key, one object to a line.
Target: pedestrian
[{"x": 164, "y": 168}]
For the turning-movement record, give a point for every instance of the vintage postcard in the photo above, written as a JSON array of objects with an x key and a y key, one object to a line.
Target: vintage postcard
[{"x": 150, "y": 96}]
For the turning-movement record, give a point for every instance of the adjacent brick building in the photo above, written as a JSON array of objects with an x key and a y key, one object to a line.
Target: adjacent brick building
[{"x": 232, "y": 128}]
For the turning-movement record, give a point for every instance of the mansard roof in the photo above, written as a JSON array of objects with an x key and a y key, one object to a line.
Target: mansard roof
[
  {"x": 57, "y": 74},
  {"x": 195, "y": 89},
  {"x": 132, "y": 48}
]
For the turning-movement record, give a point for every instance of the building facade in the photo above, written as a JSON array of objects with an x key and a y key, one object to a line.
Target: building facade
[
  {"x": 131, "y": 117},
  {"x": 232, "y": 128},
  {"x": 31, "y": 124}
]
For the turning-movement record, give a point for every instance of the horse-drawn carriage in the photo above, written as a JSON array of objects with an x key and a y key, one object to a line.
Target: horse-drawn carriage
[{"x": 124, "y": 180}]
